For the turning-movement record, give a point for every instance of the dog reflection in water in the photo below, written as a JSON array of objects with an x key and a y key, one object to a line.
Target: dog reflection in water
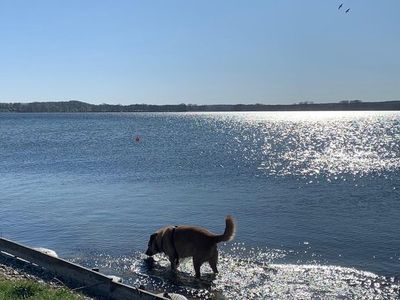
[{"x": 184, "y": 241}]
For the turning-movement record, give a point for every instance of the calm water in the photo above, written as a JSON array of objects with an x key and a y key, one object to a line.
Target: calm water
[{"x": 316, "y": 196}]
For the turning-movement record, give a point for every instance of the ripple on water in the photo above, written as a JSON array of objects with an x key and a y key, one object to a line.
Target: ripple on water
[{"x": 250, "y": 274}]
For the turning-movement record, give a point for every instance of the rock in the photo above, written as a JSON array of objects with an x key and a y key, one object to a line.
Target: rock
[
  {"x": 172, "y": 296},
  {"x": 47, "y": 251},
  {"x": 115, "y": 278}
]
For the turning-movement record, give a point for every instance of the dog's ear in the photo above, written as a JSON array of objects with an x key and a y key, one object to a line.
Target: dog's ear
[{"x": 152, "y": 237}]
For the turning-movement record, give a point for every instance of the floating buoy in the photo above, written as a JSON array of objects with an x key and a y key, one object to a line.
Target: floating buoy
[{"x": 137, "y": 139}]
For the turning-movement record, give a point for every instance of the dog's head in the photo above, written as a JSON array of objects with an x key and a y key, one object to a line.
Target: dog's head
[{"x": 153, "y": 247}]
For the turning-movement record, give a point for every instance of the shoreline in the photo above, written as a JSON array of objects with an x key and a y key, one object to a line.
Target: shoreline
[
  {"x": 10, "y": 273},
  {"x": 19, "y": 271}
]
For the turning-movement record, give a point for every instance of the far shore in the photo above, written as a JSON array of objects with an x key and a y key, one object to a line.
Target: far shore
[{"x": 78, "y": 106}]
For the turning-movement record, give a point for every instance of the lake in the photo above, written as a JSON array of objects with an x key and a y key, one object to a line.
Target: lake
[{"x": 315, "y": 195}]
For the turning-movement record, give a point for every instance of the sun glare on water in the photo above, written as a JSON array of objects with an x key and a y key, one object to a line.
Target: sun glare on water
[{"x": 317, "y": 145}]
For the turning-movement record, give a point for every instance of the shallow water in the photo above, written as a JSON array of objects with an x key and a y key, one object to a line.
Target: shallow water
[
  {"x": 315, "y": 196},
  {"x": 248, "y": 274}
]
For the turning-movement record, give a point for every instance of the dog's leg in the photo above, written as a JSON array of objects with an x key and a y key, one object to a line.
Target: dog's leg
[
  {"x": 213, "y": 262},
  {"x": 197, "y": 264},
  {"x": 174, "y": 262}
]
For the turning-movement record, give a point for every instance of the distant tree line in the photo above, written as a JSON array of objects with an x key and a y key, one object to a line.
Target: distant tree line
[{"x": 78, "y": 106}]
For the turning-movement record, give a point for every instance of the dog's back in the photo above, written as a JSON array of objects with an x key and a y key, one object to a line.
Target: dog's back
[{"x": 193, "y": 240}]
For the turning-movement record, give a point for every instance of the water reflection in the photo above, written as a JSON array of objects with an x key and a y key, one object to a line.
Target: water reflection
[{"x": 315, "y": 144}]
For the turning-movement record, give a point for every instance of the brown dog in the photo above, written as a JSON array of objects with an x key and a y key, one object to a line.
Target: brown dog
[{"x": 190, "y": 241}]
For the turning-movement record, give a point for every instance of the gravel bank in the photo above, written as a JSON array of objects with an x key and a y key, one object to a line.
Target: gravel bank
[{"x": 12, "y": 269}]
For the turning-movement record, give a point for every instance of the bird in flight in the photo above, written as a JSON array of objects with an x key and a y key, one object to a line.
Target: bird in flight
[
  {"x": 347, "y": 10},
  {"x": 340, "y": 6}
]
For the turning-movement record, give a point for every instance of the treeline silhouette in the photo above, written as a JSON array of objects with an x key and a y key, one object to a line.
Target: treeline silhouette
[{"x": 78, "y": 106}]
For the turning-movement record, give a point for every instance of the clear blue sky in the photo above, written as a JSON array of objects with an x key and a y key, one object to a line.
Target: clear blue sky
[{"x": 199, "y": 52}]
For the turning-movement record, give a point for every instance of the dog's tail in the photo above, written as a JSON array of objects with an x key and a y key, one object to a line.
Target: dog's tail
[{"x": 229, "y": 232}]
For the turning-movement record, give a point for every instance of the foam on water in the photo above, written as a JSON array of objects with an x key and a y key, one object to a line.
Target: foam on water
[{"x": 248, "y": 274}]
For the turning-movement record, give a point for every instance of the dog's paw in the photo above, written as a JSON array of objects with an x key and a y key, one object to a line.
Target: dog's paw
[{"x": 149, "y": 262}]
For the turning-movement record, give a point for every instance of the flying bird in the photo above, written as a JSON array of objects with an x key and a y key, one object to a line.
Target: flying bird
[
  {"x": 347, "y": 10},
  {"x": 340, "y": 6}
]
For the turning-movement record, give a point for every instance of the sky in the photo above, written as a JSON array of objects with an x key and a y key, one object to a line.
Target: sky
[{"x": 199, "y": 52}]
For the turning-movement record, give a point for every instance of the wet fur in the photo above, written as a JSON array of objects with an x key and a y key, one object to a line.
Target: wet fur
[{"x": 190, "y": 241}]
